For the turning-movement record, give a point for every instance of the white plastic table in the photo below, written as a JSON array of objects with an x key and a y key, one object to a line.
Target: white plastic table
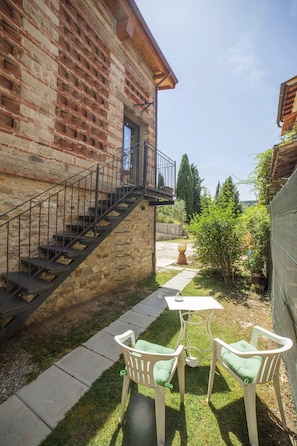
[{"x": 204, "y": 307}]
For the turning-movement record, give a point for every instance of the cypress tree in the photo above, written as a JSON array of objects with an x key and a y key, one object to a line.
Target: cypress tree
[
  {"x": 185, "y": 186},
  {"x": 229, "y": 194},
  {"x": 197, "y": 189}
]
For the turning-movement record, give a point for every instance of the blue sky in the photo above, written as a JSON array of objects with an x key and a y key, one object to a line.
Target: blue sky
[{"x": 230, "y": 57}]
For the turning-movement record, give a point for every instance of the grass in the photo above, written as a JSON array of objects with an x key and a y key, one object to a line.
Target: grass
[
  {"x": 45, "y": 350},
  {"x": 93, "y": 421}
]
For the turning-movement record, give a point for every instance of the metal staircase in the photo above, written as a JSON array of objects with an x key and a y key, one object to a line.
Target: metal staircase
[{"x": 48, "y": 236}]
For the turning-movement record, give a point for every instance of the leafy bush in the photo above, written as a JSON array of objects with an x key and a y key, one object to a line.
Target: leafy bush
[
  {"x": 218, "y": 239},
  {"x": 172, "y": 214},
  {"x": 255, "y": 225}
]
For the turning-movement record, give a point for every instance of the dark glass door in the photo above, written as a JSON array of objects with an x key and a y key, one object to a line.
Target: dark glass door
[{"x": 131, "y": 151}]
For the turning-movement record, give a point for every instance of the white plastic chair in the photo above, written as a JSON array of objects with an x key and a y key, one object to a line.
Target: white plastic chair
[
  {"x": 151, "y": 365},
  {"x": 250, "y": 366}
]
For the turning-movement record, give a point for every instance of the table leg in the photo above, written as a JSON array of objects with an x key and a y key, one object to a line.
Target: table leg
[{"x": 191, "y": 360}]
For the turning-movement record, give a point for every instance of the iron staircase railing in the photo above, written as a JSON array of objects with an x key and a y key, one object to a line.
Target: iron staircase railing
[{"x": 45, "y": 238}]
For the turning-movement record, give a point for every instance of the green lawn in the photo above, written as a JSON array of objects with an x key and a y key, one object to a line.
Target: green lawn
[{"x": 93, "y": 421}]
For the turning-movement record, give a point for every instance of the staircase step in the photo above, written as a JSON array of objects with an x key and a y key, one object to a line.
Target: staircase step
[
  {"x": 32, "y": 285},
  {"x": 50, "y": 267},
  {"x": 81, "y": 227},
  {"x": 111, "y": 218},
  {"x": 11, "y": 305},
  {"x": 119, "y": 207},
  {"x": 68, "y": 238},
  {"x": 69, "y": 253},
  {"x": 102, "y": 206},
  {"x": 87, "y": 218}
]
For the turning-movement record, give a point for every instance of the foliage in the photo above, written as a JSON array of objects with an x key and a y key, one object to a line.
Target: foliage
[
  {"x": 259, "y": 178},
  {"x": 175, "y": 213},
  {"x": 197, "y": 189},
  {"x": 218, "y": 239},
  {"x": 227, "y": 194},
  {"x": 206, "y": 200},
  {"x": 217, "y": 193},
  {"x": 185, "y": 186},
  {"x": 289, "y": 136},
  {"x": 161, "y": 181},
  {"x": 255, "y": 225}
]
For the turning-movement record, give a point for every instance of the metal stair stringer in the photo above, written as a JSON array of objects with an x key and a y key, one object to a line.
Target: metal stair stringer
[{"x": 100, "y": 233}]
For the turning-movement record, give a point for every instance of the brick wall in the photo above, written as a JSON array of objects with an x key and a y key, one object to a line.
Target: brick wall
[{"x": 66, "y": 82}]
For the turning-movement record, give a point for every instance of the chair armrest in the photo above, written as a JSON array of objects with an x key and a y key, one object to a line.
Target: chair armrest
[
  {"x": 129, "y": 334},
  {"x": 285, "y": 343},
  {"x": 179, "y": 350},
  {"x": 219, "y": 344}
]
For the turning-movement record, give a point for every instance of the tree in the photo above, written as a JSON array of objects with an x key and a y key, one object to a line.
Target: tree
[
  {"x": 218, "y": 238},
  {"x": 255, "y": 225},
  {"x": 259, "y": 178},
  {"x": 197, "y": 189},
  {"x": 185, "y": 186},
  {"x": 229, "y": 195},
  {"x": 172, "y": 213},
  {"x": 161, "y": 181},
  {"x": 218, "y": 188}
]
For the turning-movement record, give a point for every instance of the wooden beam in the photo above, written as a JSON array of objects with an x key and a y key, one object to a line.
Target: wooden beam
[{"x": 125, "y": 29}]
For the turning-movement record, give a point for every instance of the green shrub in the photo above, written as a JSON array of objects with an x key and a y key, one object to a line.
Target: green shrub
[
  {"x": 255, "y": 226},
  {"x": 218, "y": 239},
  {"x": 172, "y": 213}
]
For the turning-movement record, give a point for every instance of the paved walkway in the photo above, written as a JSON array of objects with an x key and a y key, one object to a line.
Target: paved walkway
[{"x": 33, "y": 412}]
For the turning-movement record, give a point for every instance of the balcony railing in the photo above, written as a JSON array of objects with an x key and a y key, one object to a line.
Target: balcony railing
[{"x": 35, "y": 222}]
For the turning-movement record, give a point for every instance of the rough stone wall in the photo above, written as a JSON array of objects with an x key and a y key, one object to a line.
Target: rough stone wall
[
  {"x": 125, "y": 256},
  {"x": 167, "y": 231},
  {"x": 66, "y": 83}
]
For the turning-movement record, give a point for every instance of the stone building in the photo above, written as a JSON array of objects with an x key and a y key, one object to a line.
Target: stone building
[{"x": 79, "y": 164}]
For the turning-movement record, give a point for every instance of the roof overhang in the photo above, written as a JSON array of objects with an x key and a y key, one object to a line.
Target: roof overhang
[
  {"x": 131, "y": 25},
  {"x": 286, "y": 99}
]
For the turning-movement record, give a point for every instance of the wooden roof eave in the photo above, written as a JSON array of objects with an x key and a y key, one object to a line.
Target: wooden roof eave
[
  {"x": 286, "y": 99},
  {"x": 131, "y": 25},
  {"x": 284, "y": 160}
]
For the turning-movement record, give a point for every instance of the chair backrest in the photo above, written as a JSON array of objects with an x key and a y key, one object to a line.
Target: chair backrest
[
  {"x": 270, "y": 358},
  {"x": 247, "y": 362},
  {"x": 140, "y": 365}
]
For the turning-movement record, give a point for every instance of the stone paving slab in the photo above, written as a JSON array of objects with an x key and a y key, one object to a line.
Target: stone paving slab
[
  {"x": 181, "y": 280},
  {"x": 84, "y": 365},
  {"x": 104, "y": 344},
  {"x": 148, "y": 310},
  {"x": 29, "y": 416},
  {"x": 19, "y": 426},
  {"x": 138, "y": 319},
  {"x": 118, "y": 327},
  {"x": 52, "y": 394},
  {"x": 155, "y": 301}
]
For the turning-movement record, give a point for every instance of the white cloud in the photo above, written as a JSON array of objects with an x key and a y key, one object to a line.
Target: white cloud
[{"x": 242, "y": 60}]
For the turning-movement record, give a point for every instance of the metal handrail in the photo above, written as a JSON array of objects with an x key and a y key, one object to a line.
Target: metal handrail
[{"x": 35, "y": 222}]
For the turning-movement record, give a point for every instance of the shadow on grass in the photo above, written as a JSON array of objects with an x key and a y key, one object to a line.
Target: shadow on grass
[
  {"x": 139, "y": 426},
  {"x": 232, "y": 421},
  {"x": 210, "y": 280},
  {"x": 86, "y": 420},
  {"x": 197, "y": 381}
]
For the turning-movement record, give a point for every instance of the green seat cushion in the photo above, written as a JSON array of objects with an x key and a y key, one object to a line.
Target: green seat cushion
[
  {"x": 162, "y": 369},
  {"x": 246, "y": 368}
]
